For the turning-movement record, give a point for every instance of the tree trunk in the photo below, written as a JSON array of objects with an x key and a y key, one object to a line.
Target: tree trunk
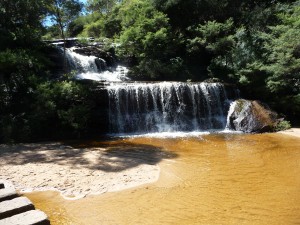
[
  {"x": 61, "y": 27},
  {"x": 64, "y": 40}
]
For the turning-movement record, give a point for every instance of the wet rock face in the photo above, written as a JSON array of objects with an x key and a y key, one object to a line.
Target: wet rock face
[{"x": 251, "y": 116}]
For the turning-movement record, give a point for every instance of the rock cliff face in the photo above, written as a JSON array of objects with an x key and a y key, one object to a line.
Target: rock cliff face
[{"x": 251, "y": 116}]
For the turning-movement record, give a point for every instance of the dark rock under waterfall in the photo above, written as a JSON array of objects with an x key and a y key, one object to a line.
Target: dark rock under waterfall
[{"x": 251, "y": 116}]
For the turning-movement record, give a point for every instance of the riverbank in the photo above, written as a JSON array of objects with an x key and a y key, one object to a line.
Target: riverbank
[
  {"x": 88, "y": 169},
  {"x": 293, "y": 132},
  {"x": 75, "y": 171}
]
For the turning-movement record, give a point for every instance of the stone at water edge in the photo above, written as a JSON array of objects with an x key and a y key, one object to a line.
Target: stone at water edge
[
  {"x": 32, "y": 217},
  {"x": 7, "y": 194},
  {"x": 251, "y": 116},
  {"x": 15, "y": 206}
]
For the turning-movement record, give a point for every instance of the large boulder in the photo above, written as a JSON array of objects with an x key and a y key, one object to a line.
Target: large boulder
[{"x": 251, "y": 116}]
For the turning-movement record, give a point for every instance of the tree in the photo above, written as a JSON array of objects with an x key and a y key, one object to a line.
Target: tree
[
  {"x": 283, "y": 59},
  {"x": 62, "y": 13},
  {"x": 146, "y": 36},
  {"x": 20, "y": 22},
  {"x": 214, "y": 40},
  {"x": 266, "y": 57},
  {"x": 185, "y": 13},
  {"x": 103, "y": 6}
]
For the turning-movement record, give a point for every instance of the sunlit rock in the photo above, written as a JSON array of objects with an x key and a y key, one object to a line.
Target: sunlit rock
[{"x": 251, "y": 116}]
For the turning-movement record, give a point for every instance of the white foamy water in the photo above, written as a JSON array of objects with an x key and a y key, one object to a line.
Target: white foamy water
[
  {"x": 94, "y": 68},
  {"x": 118, "y": 74},
  {"x": 178, "y": 134}
]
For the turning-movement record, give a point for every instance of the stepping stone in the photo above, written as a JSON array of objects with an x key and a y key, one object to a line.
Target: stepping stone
[
  {"x": 7, "y": 194},
  {"x": 32, "y": 217},
  {"x": 15, "y": 206}
]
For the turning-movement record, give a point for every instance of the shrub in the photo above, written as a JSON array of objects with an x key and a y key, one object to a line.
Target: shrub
[{"x": 283, "y": 125}]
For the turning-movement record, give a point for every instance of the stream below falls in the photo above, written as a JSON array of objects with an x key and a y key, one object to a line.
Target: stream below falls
[{"x": 210, "y": 179}]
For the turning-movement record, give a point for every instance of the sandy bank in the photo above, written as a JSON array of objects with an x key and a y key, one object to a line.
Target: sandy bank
[
  {"x": 75, "y": 172},
  {"x": 293, "y": 131}
]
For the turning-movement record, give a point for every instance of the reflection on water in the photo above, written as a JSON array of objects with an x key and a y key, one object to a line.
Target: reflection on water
[{"x": 216, "y": 179}]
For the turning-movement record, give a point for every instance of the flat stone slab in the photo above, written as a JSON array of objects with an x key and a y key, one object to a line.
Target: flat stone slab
[
  {"x": 6, "y": 184},
  {"x": 7, "y": 194},
  {"x": 32, "y": 217},
  {"x": 15, "y": 206}
]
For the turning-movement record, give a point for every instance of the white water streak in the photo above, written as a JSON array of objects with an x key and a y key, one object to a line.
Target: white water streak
[
  {"x": 93, "y": 68},
  {"x": 167, "y": 107}
]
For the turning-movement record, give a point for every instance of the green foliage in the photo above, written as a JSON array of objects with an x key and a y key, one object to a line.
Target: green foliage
[
  {"x": 51, "y": 32},
  {"x": 215, "y": 40},
  {"x": 282, "y": 125},
  {"x": 112, "y": 26},
  {"x": 19, "y": 73},
  {"x": 283, "y": 62},
  {"x": 63, "y": 12},
  {"x": 80, "y": 26},
  {"x": 20, "y": 24},
  {"x": 65, "y": 103},
  {"x": 142, "y": 33},
  {"x": 146, "y": 35},
  {"x": 254, "y": 44},
  {"x": 104, "y": 6},
  {"x": 32, "y": 107},
  {"x": 185, "y": 13},
  {"x": 96, "y": 25},
  {"x": 44, "y": 109},
  {"x": 93, "y": 29},
  {"x": 266, "y": 61},
  {"x": 76, "y": 26},
  {"x": 159, "y": 70},
  {"x": 101, "y": 21}
]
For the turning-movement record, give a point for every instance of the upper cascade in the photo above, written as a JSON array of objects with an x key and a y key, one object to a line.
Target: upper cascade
[
  {"x": 93, "y": 68},
  {"x": 167, "y": 107}
]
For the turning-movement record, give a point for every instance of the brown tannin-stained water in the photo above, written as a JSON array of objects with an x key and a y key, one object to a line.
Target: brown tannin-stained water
[{"x": 214, "y": 179}]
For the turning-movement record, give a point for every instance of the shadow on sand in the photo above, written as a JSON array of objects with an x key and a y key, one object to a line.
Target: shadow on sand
[{"x": 107, "y": 156}]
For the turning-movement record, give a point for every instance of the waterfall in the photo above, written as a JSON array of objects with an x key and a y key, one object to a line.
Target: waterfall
[
  {"x": 167, "y": 107},
  {"x": 230, "y": 112},
  {"x": 93, "y": 68}
]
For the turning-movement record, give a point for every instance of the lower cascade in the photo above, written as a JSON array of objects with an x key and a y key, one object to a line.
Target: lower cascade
[{"x": 167, "y": 107}]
